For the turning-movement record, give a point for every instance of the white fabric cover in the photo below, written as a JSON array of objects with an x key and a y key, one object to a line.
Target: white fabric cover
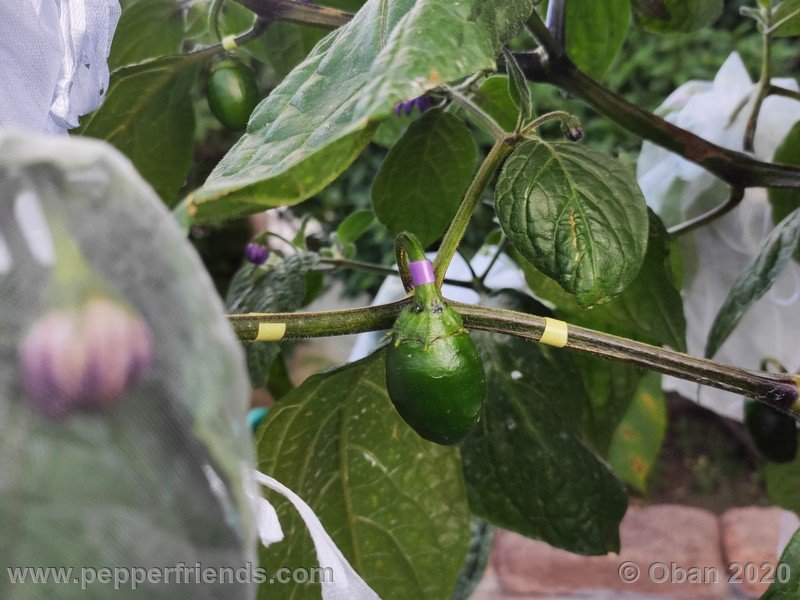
[
  {"x": 53, "y": 61},
  {"x": 715, "y": 255}
]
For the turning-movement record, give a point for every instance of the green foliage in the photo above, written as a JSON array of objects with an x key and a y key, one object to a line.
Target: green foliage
[
  {"x": 774, "y": 432},
  {"x": 639, "y": 436},
  {"x": 148, "y": 115},
  {"x": 494, "y": 97},
  {"x": 287, "y": 156},
  {"x": 393, "y": 503},
  {"x": 596, "y": 32},
  {"x": 527, "y": 465},
  {"x": 790, "y": 589},
  {"x": 784, "y": 201},
  {"x": 756, "y": 280},
  {"x": 649, "y": 310},
  {"x": 783, "y": 484},
  {"x": 148, "y": 29},
  {"x": 272, "y": 287},
  {"x": 787, "y": 19},
  {"x": 424, "y": 177},
  {"x": 577, "y": 215},
  {"x": 676, "y": 16},
  {"x": 480, "y": 548},
  {"x": 518, "y": 90}
]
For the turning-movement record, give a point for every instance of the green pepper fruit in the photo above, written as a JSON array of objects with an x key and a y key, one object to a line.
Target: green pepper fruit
[
  {"x": 232, "y": 92},
  {"x": 774, "y": 433},
  {"x": 434, "y": 372}
]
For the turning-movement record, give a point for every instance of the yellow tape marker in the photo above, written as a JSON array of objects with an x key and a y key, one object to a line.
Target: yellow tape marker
[
  {"x": 229, "y": 42},
  {"x": 270, "y": 332},
  {"x": 555, "y": 333}
]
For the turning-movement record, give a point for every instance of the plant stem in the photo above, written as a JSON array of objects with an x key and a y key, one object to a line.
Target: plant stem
[
  {"x": 735, "y": 198},
  {"x": 367, "y": 267},
  {"x": 735, "y": 168},
  {"x": 776, "y": 90},
  {"x": 301, "y": 325},
  {"x": 557, "y": 21},
  {"x": 452, "y": 237},
  {"x": 477, "y": 113},
  {"x": 292, "y": 11},
  {"x": 498, "y": 251},
  {"x": 764, "y": 81},
  {"x": 776, "y": 389}
]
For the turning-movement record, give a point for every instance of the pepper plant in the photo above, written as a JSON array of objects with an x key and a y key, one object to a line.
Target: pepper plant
[{"x": 447, "y": 90}]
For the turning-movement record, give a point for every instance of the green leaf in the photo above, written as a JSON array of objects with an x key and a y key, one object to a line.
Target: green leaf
[
  {"x": 421, "y": 182},
  {"x": 756, "y": 279},
  {"x": 527, "y": 465},
  {"x": 393, "y": 503},
  {"x": 596, "y": 32},
  {"x": 649, "y": 310},
  {"x": 786, "y": 585},
  {"x": 611, "y": 389},
  {"x": 494, "y": 97},
  {"x": 676, "y": 16},
  {"x": 785, "y": 200},
  {"x": 577, "y": 215},
  {"x": 474, "y": 568},
  {"x": 355, "y": 225},
  {"x": 315, "y": 123},
  {"x": 148, "y": 115},
  {"x": 788, "y": 15},
  {"x": 270, "y": 288},
  {"x": 148, "y": 29},
  {"x": 637, "y": 441},
  {"x": 518, "y": 89},
  {"x": 783, "y": 484}
]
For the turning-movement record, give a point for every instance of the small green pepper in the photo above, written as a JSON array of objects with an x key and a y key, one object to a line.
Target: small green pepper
[
  {"x": 232, "y": 92},
  {"x": 774, "y": 433},
  {"x": 434, "y": 372}
]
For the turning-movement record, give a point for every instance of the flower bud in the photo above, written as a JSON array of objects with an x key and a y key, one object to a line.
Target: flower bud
[
  {"x": 256, "y": 253},
  {"x": 84, "y": 358},
  {"x": 574, "y": 134},
  {"x": 421, "y": 103}
]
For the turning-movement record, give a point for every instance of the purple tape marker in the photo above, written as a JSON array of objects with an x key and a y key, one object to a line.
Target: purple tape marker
[{"x": 421, "y": 272}]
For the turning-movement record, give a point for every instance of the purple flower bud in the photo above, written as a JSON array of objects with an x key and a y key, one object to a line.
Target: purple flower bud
[
  {"x": 575, "y": 134},
  {"x": 256, "y": 253},
  {"x": 421, "y": 103},
  {"x": 84, "y": 358}
]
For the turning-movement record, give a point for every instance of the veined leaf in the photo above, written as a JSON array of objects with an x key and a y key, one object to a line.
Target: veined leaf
[
  {"x": 271, "y": 288},
  {"x": 756, "y": 280},
  {"x": 354, "y": 226},
  {"x": 637, "y": 440},
  {"x": 596, "y": 32},
  {"x": 518, "y": 89},
  {"x": 649, "y": 310},
  {"x": 787, "y": 588},
  {"x": 527, "y": 465},
  {"x": 149, "y": 116},
  {"x": 147, "y": 29},
  {"x": 577, "y": 215},
  {"x": 676, "y": 16},
  {"x": 610, "y": 389},
  {"x": 315, "y": 123},
  {"x": 494, "y": 97},
  {"x": 424, "y": 176},
  {"x": 393, "y": 503},
  {"x": 784, "y": 201},
  {"x": 787, "y": 15}
]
